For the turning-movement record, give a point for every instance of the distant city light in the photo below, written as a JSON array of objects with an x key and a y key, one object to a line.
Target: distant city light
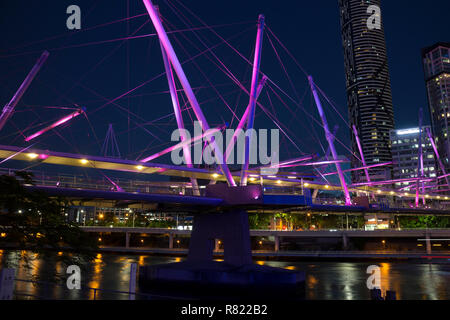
[
  {"x": 407, "y": 131},
  {"x": 140, "y": 167},
  {"x": 84, "y": 161},
  {"x": 32, "y": 155}
]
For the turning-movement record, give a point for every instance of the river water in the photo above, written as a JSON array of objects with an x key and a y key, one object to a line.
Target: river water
[{"x": 325, "y": 280}]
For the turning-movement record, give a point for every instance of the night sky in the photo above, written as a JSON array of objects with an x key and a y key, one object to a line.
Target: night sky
[{"x": 81, "y": 72}]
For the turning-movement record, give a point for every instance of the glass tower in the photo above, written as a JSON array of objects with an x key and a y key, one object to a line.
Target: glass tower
[
  {"x": 436, "y": 62},
  {"x": 369, "y": 96}
]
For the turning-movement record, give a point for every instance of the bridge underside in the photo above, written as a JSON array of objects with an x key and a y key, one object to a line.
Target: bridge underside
[{"x": 194, "y": 204}]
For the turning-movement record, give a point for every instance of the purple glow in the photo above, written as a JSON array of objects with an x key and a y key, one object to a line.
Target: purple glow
[
  {"x": 330, "y": 138},
  {"x": 430, "y": 136},
  {"x": 253, "y": 98},
  {"x": 154, "y": 16},
  {"x": 366, "y": 171},
  {"x": 56, "y": 124},
  {"x": 243, "y": 120},
  {"x": 361, "y": 168},
  {"x": 376, "y": 183},
  {"x": 181, "y": 145},
  {"x": 8, "y": 110},
  {"x": 320, "y": 163}
]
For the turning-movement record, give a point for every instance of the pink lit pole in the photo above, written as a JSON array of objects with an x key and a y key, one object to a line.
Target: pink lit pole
[
  {"x": 243, "y": 120},
  {"x": 8, "y": 110},
  {"x": 420, "y": 171},
  {"x": 330, "y": 138},
  {"x": 308, "y": 164},
  {"x": 253, "y": 98},
  {"x": 183, "y": 145},
  {"x": 56, "y": 124},
  {"x": 178, "y": 115},
  {"x": 361, "y": 168},
  {"x": 366, "y": 171},
  {"x": 154, "y": 16},
  {"x": 430, "y": 136},
  {"x": 384, "y": 182}
]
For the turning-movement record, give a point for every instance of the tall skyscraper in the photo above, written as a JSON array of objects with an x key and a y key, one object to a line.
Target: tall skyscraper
[
  {"x": 436, "y": 62},
  {"x": 368, "y": 83}
]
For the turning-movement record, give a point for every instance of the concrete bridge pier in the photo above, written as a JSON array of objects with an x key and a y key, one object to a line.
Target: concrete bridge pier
[
  {"x": 344, "y": 241},
  {"x": 232, "y": 227},
  {"x": 428, "y": 243},
  {"x": 171, "y": 240},
  {"x": 217, "y": 246},
  {"x": 127, "y": 239},
  {"x": 277, "y": 243}
]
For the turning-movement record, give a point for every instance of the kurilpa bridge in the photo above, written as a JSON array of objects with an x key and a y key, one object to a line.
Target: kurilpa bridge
[{"x": 232, "y": 190}]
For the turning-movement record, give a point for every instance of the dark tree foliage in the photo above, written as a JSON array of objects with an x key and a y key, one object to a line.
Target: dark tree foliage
[
  {"x": 35, "y": 222},
  {"x": 423, "y": 222}
]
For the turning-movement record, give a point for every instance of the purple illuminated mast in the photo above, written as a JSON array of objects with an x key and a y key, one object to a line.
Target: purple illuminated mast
[
  {"x": 184, "y": 144},
  {"x": 154, "y": 16},
  {"x": 8, "y": 110},
  {"x": 420, "y": 171},
  {"x": 243, "y": 121},
  {"x": 253, "y": 98},
  {"x": 178, "y": 115},
  {"x": 55, "y": 124},
  {"x": 363, "y": 160},
  {"x": 330, "y": 139}
]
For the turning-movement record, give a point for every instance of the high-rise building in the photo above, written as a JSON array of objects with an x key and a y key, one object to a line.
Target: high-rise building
[
  {"x": 369, "y": 95},
  {"x": 405, "y": 154},
  {"x": 436, "y": 62}
]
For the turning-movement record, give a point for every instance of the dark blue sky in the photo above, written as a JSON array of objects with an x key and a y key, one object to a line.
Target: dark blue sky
[{"x": 309, "y": 29}]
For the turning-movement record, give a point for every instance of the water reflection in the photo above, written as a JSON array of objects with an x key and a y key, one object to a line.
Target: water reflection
[{"x": 324, "y": 280}]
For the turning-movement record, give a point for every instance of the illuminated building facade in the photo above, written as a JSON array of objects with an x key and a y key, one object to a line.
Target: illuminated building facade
[
  {"x": 436, "y": 62},
  {"x": 368, "y": 84},
  {"x": 405, "y": 154}
]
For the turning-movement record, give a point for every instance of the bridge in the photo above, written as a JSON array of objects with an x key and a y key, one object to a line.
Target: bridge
[{"x": 218, "y": 195}]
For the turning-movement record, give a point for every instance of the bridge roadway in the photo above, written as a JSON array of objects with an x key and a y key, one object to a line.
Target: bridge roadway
[{"x": 426, "y": 234}]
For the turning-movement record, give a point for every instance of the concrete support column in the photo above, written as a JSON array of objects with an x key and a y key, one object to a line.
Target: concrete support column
[
  {"x": 217, "y": 245},
  {"x": 277, "y": 243},
  {"x": 344, "y": 241},
  {"x": 428, "y": 243},
  {"x": 170, "y": 240},
  {"x": 127, "y": 240},
  {"x": 231, "y": 227}
]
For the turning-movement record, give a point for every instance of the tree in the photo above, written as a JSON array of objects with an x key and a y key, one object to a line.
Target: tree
[{"x": 33, "y": 221}]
